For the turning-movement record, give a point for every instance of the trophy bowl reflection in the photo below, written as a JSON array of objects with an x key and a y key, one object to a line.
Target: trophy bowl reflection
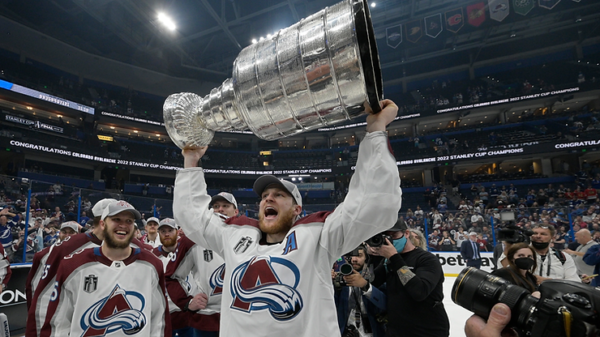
[{"x": 321, "y": 71}]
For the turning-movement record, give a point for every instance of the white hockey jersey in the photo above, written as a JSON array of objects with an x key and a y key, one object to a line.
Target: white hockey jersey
[
  {"x": 94, "y": 296},
  {"x": 285, "y": 289}
]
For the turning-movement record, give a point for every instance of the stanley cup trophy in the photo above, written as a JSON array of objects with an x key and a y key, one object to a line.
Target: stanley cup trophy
[{"x": 321, "y": 71}]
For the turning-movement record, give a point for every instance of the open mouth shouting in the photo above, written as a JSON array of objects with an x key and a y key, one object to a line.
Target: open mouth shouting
[{"x": 270, "y": 213}]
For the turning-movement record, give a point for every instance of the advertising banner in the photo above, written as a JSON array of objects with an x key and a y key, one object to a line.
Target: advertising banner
[
  {"x": 454, "y": 20},
  {"x": 476, "y": 14},
  {"x": 548, "y": 4},
  {"x": 433, "y": 25},
  {"x": 393, "y": 36},
  {"x": 414, "y": 31},
  {"x": 499, "y": 9},
  {"x": 45, "y": 97},
  {"x": 452, "y": 263},
  {"x": 13, "y": 302},
  {"x": 523, "y": 7}
]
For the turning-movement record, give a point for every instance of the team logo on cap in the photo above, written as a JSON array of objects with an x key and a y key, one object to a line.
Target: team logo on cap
[
  {"x": 267, "y": 283},
  {"x": 121, "y": 310}
]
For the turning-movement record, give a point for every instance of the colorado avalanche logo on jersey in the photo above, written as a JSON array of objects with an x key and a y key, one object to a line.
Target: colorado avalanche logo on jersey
[
  {"x": 216, "y": 280},
  {"x": 267, "y": 283},
  {"x": 121, "y": 310}
]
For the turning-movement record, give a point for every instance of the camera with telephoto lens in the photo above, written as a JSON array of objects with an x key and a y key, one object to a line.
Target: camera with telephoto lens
[
  {"x": 378, "y": 240},
  {"x": 565, "y": 308},
  {"x": 343, "y": 267},
  {"x": 514, "y": 234}
]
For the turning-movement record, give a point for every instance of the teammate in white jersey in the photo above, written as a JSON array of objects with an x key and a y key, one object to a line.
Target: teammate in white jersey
[
  {"x": 67, "y": 229},
  {"x": 278, "y": 280},
  {"x": 113, "y": 289}
]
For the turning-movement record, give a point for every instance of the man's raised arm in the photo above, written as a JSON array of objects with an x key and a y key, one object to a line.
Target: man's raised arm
[
  {"x": 190, "y": 204},
  {"x": 374, "y": 195}
]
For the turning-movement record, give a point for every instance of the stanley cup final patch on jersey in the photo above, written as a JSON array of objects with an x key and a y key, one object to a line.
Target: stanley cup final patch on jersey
[
  {"x": 90, "y": 283},
  {"x": 243, "y": 245},
  {"x": 208, "y": 255}
]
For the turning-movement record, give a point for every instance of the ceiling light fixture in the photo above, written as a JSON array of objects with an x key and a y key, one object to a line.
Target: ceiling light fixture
[{"x": 166, "y": 21}]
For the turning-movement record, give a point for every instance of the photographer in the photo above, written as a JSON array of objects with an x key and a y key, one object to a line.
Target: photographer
[
  {"x": 357, "y": 315},
  {"x": 414, "y": 287}
]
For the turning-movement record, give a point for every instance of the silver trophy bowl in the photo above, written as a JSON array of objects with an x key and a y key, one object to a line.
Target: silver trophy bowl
[{"x": 321, "y": 71}]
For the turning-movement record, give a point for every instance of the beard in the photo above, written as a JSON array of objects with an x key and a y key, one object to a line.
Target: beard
[
  {"x": 283, "y": 224},
  {"x": 169, "y": 242},
  {"x": 111, "y": 241}
]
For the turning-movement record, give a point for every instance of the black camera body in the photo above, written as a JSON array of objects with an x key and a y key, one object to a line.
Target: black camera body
[
  {"x": 345, "y": 268},
  {"x": 514, "y": 234},
  {"x": 565, "y": 308},
  {"x": 378, "y": 240}
]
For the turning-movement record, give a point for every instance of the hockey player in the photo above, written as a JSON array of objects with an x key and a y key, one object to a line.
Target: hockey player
[
  {"x": 46, "y": 273},
  {"x": 67, "y": 229},
  {"x": 167, "y": 230},
  {"x": 112, "y": 289},
  {"x": 278, "y": 279},
  {"x": 151, "y": 237},
  {"x": 203, "y": 298}
]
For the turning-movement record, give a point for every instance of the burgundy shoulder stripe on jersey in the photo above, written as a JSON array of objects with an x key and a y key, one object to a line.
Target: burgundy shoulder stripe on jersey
[
  {"x": 242, "y": 221},
  {"x": 312, "y": 218}
]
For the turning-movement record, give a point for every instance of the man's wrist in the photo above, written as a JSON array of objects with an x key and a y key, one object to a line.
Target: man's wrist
[
  {"x": 366, "y": 287},
  {"x": 187, "y": 306}
]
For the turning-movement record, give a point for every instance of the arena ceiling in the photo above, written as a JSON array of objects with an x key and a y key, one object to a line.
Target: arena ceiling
[{"x": 211, "y": 33}]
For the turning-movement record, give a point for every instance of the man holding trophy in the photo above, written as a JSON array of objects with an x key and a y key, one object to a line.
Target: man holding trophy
[{"x": 318, "y": 72}]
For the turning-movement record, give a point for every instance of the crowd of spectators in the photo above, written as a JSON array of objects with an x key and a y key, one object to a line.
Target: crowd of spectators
[{"x": 566, "y": 207}]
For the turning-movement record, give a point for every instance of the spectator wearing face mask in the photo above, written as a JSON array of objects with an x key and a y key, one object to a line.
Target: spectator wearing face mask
[{"x": 521, "y": 262}]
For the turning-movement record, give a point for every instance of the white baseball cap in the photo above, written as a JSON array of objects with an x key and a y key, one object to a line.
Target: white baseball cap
[
  {"x": 70, "y": 224},
  {"x": 99, "y": 207},
  {"x": 168, "y": 222},
  {"x": 152, "y": 219},
  {"x": 263, "y": 181},
  {"x": 119, "y": 206},
  {"x": 224, "y": 196}
]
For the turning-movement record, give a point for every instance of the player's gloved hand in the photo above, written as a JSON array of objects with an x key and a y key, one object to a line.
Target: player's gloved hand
[{"x": 198, "y": 302}]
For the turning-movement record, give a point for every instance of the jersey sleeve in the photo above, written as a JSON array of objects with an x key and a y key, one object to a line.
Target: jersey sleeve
[
  {"x": 191, "y": 212},
  {"x": 161, "y": 318},
  {"x": 426, "y": 276},
  {"x": 177, "y": 272},
  {"x": 60, "y": 308},
  {"x": 373, "y": 200},
  {"x": 35, "y": 266},
  {"x": 5, "y": 272}
]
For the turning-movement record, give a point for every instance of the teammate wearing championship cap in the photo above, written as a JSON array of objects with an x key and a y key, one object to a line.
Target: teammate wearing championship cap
[
  {"x": 114, "y": 288},
  {"x": 278, "y": 280},
  {"x": 43, "y": 277},
  {"x": 151, "y": 237}
]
